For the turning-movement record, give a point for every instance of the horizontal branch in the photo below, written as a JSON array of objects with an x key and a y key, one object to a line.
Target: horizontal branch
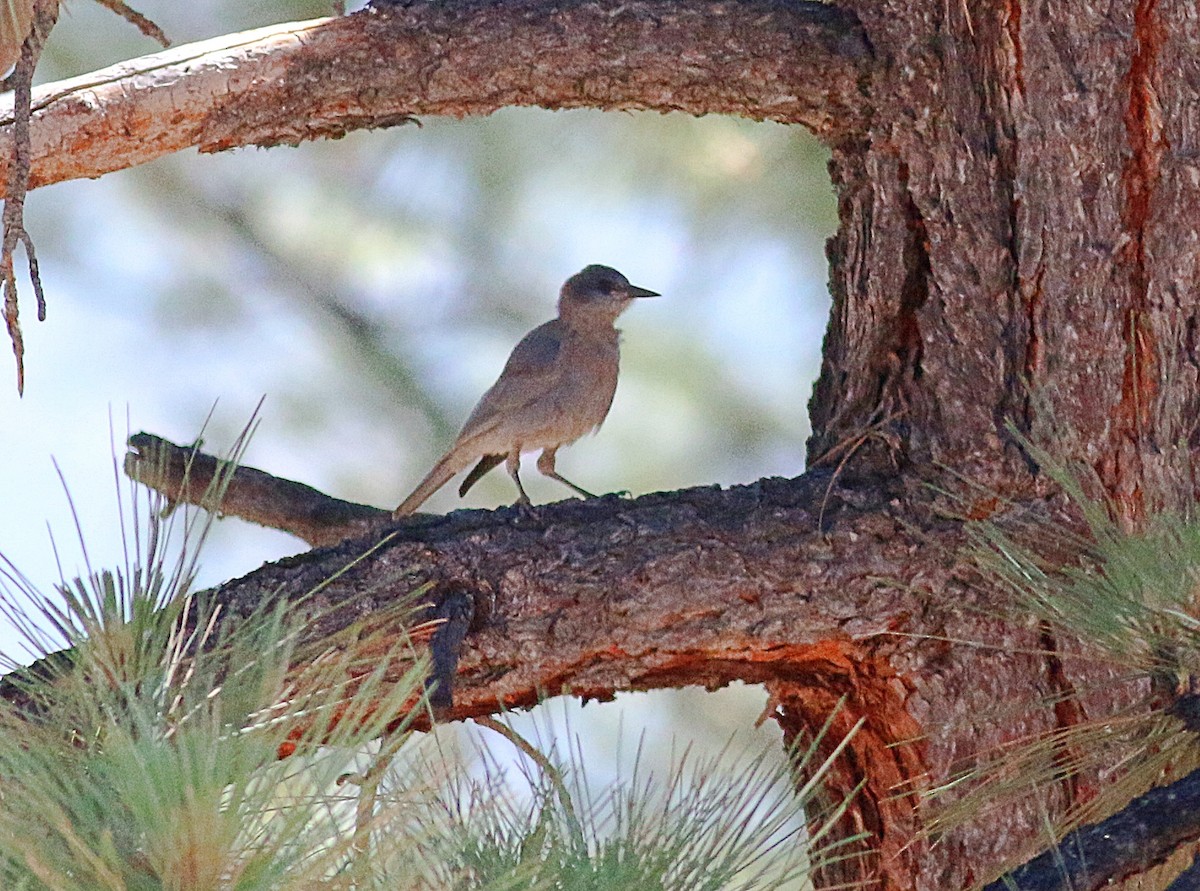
[
  {"x": 703, "y": 586},
  {"x": 798, "y": 62}
]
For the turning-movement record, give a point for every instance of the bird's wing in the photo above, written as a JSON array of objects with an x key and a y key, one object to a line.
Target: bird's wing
[
  {"x": 486, "y": 463},
  {"x": 531, "y": 372}
]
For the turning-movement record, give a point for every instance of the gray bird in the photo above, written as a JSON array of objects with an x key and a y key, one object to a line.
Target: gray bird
[{"x": 557, "y": 385}]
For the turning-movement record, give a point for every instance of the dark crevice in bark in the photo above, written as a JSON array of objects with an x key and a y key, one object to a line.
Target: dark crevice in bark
[
  {"x": 1139, "y": 388},
  {"x": 1034, "y": 348},
  {"x": 908, "y": 346},
  {"x": 1012, "y": 23},
  {"x": 1143, "y": 123},
  {"x": 1068, "y": 713}
]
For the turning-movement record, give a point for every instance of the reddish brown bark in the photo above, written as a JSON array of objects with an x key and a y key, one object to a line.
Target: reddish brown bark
[{"x": 1030, "y": 166}]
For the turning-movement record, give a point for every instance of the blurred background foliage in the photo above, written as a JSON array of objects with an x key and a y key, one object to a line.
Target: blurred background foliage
[{"x": 371, "y": 288}]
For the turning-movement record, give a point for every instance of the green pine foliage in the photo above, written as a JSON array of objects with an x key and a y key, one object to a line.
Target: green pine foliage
[
  {"x": 143, "y": 749},
  {"x": 724, "y": 822}
]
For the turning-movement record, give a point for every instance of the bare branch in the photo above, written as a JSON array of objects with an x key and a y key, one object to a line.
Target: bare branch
[
  {"x": 765, "y": 59},
  {"x": 135, "y": 18},
  {"x": 185, "y": 475}
]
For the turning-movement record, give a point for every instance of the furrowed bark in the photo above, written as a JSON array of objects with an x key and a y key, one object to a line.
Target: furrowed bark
[{"x": 1018, "y": 245}]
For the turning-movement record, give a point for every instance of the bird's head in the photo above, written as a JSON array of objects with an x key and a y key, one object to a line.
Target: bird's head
[{"x": 598, "y": 292}]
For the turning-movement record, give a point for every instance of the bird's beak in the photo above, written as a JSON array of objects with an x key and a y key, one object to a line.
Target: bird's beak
[{"x": 635, "y": 291}]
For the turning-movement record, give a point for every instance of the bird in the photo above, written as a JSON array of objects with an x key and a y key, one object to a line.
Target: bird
[{"x": 557, "y": 385}]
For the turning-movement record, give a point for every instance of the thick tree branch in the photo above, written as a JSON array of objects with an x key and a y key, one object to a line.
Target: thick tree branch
[
  {"x": 579, "y": 569},
  {"x": 1128, "y": 843},
  {"x": 704, "y": 586},
  {"x": 763, "y": 59}
]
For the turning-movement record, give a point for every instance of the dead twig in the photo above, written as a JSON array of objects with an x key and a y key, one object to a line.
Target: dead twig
[
  {"x": 40, "y": 17},
  {"x": 13, "y": 217},
  {"x": 136, "y": 19}
]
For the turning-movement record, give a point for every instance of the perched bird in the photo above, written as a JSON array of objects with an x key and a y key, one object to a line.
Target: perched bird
[{"x": 557, "y": 385}]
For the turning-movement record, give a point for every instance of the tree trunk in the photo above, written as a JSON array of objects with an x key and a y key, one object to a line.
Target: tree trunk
[
  {"x": 1016, "y": 261},
  {"x": 1017, "y": 246}
]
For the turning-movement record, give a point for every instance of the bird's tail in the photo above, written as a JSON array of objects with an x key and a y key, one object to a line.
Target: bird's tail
[{"x": 451, "y": 463}]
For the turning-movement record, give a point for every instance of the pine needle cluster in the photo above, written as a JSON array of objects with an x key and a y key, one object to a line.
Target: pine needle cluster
[{"x": 1122, "y": 602}]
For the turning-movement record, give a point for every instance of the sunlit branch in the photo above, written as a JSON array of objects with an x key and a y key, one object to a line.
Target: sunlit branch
[{"x": 766, "y": 60}]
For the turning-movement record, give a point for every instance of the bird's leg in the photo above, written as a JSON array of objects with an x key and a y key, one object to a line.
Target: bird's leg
[
  {"x": 513, "y": 465},
  {"x": 545, "y": 464}
]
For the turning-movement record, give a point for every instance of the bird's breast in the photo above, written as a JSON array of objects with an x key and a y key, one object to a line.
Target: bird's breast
[
  {"x": 587, "y": 382},
  {"x": 591, "y": 373}
]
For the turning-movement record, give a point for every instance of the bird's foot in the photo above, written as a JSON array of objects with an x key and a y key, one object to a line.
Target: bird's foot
[{"x": 526, "y": 510}]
